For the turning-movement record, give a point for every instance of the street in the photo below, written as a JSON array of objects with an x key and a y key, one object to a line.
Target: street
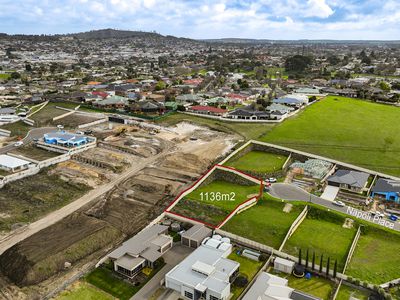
[{"x": 292, "y": 193}]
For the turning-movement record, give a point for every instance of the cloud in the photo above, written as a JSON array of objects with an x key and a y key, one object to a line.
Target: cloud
[{"x": 284, "y": 19}]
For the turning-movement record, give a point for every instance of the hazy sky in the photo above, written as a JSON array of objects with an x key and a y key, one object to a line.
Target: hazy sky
[{"x": 269, "y": 19}]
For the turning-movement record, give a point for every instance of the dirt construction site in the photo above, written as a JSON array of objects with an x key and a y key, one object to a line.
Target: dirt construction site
[{"x": 154, "y": 165}]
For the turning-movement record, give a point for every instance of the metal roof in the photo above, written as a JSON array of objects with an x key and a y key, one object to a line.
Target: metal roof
[{"x": 12, "y": 162}]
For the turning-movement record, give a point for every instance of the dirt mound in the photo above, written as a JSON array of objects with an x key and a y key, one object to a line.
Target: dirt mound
[
  {"x": 186, "y": 161},
  {"x": 44, "y": 254}
]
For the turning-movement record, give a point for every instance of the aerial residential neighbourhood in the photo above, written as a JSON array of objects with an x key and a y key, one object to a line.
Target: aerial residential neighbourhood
[{"x": 207, "y": 150}]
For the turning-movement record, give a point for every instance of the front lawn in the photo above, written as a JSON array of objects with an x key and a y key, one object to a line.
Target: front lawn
[
  {"x": 354, "y": 131},
  {"x": 325, "y": 237},
  {"x": 376, "y": 258},
  {"x": 265, "y": 222},
  {"x": 258, "y": 161}
]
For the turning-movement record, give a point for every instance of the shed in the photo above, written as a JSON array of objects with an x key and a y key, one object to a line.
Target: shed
[
  {"x": 195, "y": 235},
  {"x": 12, "y": 164},
  {"x": 283, "y": 265}
]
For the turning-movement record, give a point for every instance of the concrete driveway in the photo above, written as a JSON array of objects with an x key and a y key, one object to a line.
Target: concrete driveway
[{"x": 173, "y": 257}]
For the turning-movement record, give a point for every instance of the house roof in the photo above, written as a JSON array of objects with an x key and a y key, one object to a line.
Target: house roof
[
  {"x": 248, "y": 113},
  {"x": 352, "y": 178},
  {"x": 208, "y": 108},
  {"x": 12, "y": 162},
  {"x": 386, "y": 185},
  {"x": 269, "y": 287},
  {"x": 197, "y": 232}
]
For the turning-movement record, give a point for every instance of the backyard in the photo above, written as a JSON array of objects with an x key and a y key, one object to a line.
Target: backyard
[
  {"x": 83, "y": 291},
  {"x": 316, "y": 286},
  {"x": 346, "y": 292},
  {"x": 258, "y": 161},
  {"x": 265, "y": 222},
  {"x": 374, "y": 260},
  {"x": 248, "y": 268},
  {"x": 354, "y": 131},
  {"x": 323, "y": 237}
]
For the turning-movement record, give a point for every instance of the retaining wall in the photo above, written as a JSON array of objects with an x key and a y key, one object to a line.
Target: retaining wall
[{"x": 92, "y": 123}]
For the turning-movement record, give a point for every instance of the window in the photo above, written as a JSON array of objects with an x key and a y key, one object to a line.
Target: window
[
  {"x": 188, "y": 295},
  {"x": 213, "y": 298}
]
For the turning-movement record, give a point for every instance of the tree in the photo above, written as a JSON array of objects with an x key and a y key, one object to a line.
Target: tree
[
  {"x": 321, "y": 262},
  {"x": 328, "y": 263},
  {"x": 28, "y": 68},
  {"x": 313, "y": 261},
  {"x": 300, "y": 256},
  {"x": 307, "y": 259},
  {"x": 384, "y": 86},
  {"x": 160, "y": 85},
  {"x": 297, "y": 63},
  {"x": 335, "y": 269},
  {"x": 15, "y": 75}
]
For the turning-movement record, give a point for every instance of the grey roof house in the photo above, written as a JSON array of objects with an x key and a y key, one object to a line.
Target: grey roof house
[
  {"x": 348, "y": 179},
  {"x": 141, "y": 250}
]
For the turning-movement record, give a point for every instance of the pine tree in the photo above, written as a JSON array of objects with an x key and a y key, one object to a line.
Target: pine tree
[
  {"x": 300, "y": 256},
  {"x": 327, "y": 266},
  {"x": 313, "y": 261},
  {"x": 320, "y": 263},
  {"x": 335, "y": 269},
  {"x": 307, "y": 259}
]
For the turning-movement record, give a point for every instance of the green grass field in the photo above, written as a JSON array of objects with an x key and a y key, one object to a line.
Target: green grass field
[
  {"x": 209, "y": 209},
  {"x": 5, "y": 76},
  {"x": 350, "y": 130},
  {"x": 258, "y": 161},
  {"x": 346, "y": 292},
  {"x": 246, "y": 130},
  {"x": 325, "y": 238},
  {"x": 106, "y": 281},
  {"x": 17, "y": 129},
  {"x": 237, "y": 193},
  {"x": 248, "y": 267},
  {"x": 265, "y": 222},
  {"x": 316, "y": 286},
  {"x": 84, "y": 291},
  {"x": 376, "y": 258}
]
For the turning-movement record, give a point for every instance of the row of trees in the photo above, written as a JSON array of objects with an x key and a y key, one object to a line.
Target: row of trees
[{"x": 321, "y": 262}]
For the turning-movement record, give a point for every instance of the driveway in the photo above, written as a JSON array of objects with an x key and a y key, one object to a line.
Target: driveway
[
  {"x": 292, "y": 193},
  {"x": 173, "y": 257}
]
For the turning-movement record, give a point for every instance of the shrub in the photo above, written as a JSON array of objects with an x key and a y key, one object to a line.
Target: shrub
[{"x": 241, "y": 281}]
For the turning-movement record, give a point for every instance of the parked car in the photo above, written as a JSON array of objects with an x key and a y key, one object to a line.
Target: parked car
[
  {"x": 60, "y": 126},
  {"x": 36, "y": 140},
  {"x": 271, "y": 179},
  {"x": 393, "y": 218},
  {"x": 79, "y": 132},
  {"x": 19, "y": 143},
  {"x": 377, "y": 213},
  {"x": 339, "y": 203}
]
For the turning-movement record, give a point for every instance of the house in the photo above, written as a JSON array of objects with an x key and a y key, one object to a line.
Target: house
[
  {"x": 387, "y": 188},
  {"x": 207, "y": 110},
  {"x": 148, "y": 106},
  {"x": 12, "y": 164},
  {"x": 112, "y": 102},
  {"x": 308, "y": 91},
  {"x": 206, "y": 273},
  {"x": 141, "y": 251},
  {"x": 350, "y": 180},
  {"x": 188, "y": 98},
  {"x": 248, "y": 114},
  {"x": 66, "y": 139},
  {"x": 292, "y": 100},
  {"x": 195, "y": 235},
  {"x": 171, "y": 105},
  {"x": 271, "y": 287}
]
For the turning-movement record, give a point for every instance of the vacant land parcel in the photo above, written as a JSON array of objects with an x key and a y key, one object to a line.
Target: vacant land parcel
[
  {"x": 376, "y": 258},
  {"x": 322, "y": 232},
  {"x": 265, "y": 222},
  {"x": 258, "y": 161},
  {"x": 350, "y": 130}
]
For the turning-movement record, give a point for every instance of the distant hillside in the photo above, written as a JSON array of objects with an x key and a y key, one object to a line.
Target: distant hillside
[{"x": 113, "y": 34}]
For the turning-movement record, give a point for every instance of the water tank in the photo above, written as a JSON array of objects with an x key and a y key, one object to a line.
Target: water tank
[{"x": 217, "y": 237}]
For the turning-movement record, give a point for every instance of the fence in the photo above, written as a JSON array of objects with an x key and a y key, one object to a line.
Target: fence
[
  {"x": 352, "y": 248},
  {"x": 92, "y": 123},
  {"x": 296, "y": 223},
  {"x": 4, "y": 132},
  {"x": 240, "y": 208}
]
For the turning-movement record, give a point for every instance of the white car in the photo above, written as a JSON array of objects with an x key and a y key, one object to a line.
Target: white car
[
  {"x": 20, "y": 143},
  {"x": 338, "y": 203},
  {"x": 271, "y": 179},
  {"x": 377, "y": 213}
]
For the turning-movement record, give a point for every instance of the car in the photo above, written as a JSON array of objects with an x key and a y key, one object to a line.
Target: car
[
  {"x": 79, "y": 132},
  {"x": 60, "y": 126},
  {"x": 377, "y": 213},
  {"x": 338, "y": 203},
  {"x": 19, "y": 143},
  {"x": 271, "y": 179},
  {"x": 393, "y": 218},
  {"x": 36, "y": 140}
]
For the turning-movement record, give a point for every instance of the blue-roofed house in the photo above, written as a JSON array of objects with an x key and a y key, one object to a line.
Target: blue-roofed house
[
  {"x": 387, "y": 188},
  {"x": 65, "y": 139}
]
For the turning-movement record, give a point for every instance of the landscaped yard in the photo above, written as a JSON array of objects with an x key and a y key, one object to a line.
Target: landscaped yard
[
  {"x": 376, "y": 258},
  {"x": 247, "y": 130},
  {"x": 323, "y": 236},
  {"x": 213, "y": 202},
  {"x": 265, "y": 222},
  {"x": 346, "y": 129},
  {"x": 258, "y": 161},
  {"x": 105, "y": 280},
  {"x": 84, "y": 291},
  {"x": 248, "y": 267},
  {"x": 346, "y": 292},
  {"x": 316, "y": 286}
]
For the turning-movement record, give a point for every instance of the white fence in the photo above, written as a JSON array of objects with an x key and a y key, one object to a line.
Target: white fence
[
  {"x": 242, "y": 207},
  {"x": 294, "y": 226},
  {"x": 4, "y": 132},
  {"x": 92, "y": 123}
]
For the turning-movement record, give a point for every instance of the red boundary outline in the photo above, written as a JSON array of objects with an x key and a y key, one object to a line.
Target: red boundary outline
[{"x": 212, "y": 169}]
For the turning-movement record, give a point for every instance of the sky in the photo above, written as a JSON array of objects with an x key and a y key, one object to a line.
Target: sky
[{"x": 205, "y": 19}]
